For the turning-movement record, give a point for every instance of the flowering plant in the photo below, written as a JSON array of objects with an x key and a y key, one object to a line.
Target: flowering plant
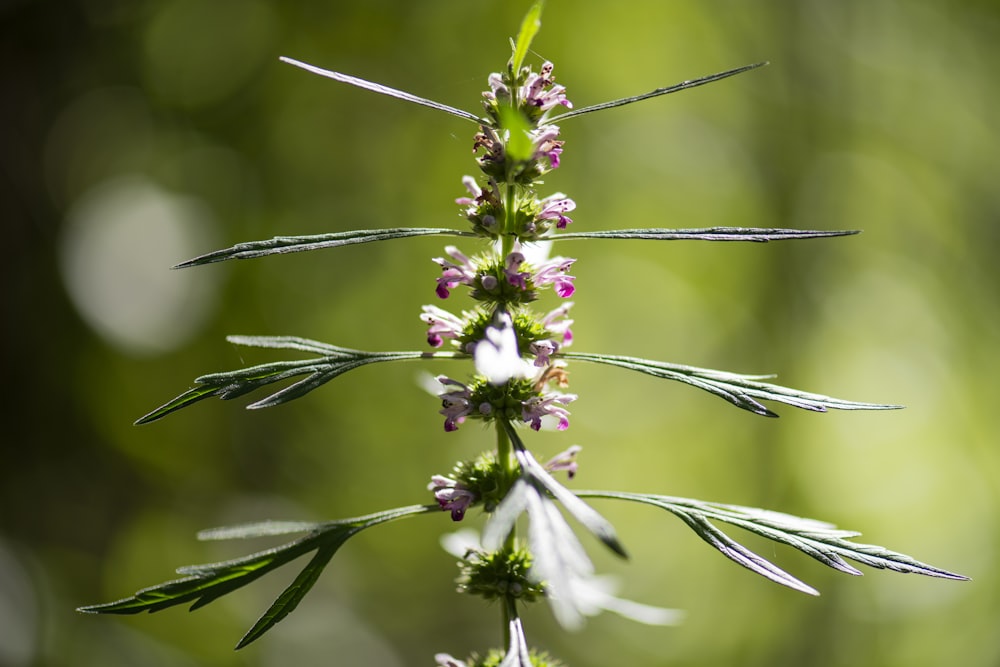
[{"x": 520, "y": 379}]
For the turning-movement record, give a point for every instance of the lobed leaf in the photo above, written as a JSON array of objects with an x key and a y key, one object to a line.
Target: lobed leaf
[
  {"x": 335, "y": 361},
  {"x": 206, "y": 583},
  {"x": 743, "y": 391},
  {"x": 818, "y": 540}
]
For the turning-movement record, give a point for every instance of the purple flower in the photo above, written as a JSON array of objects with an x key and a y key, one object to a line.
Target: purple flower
[
  {"x": 565, "y": 460},
  {"x": 442, "y": 324},
  {"x": 482, "y": 206},
  {"x": 456, "y": 403},
  {"x": 556, "y": 322},
  {"x": 461, "y": 271},
  {"x": 540, "y": 91},
  {"x": 451, "y": 495},
  {"x": 553, "y": 272},
  {"x": 512, "y": 265},
  {"x": 547, "y": 145},
  {"x": 554, "y": 207},
  {"x": 550, "y": 404},
  {"x": 470, "y": 184},
  {"x": 447, "y": 660},
  {"x": 543, "y": 350}
]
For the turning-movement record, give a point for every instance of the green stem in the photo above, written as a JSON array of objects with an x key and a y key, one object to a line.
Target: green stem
[
  {"x": 506, "y": 459},
  {"x": 505, "y": 454},
  {"x": 510, "y": 210},
  {"x": 509, "y": 612}
]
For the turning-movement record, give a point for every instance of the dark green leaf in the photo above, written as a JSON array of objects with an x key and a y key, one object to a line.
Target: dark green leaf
[
  {"x": 281, "y": 245},
  {"x": 206, "y": 583},
  {"x": 740, "y": 390},
  {"x": 334, "y": 362},
  {"x": 291, "y": 596},
  {"x": 258, "y": 529},
  {"x": 684, "y": 85},
  {"x": 709, "y": 234}
]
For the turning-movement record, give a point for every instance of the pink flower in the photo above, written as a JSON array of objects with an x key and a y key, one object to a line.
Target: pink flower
[
  {"x": 554, "y": 207},
  {"x": 451, "y": 495},
  {"x": 442, "y": 324},
  {"x": 551, "y": 404},
  {"x": 553, "y": 272},
  {"x": 565, "y": 460},
  {"x": 461, "y": 271},
  {"x": 456, "y": 404}
]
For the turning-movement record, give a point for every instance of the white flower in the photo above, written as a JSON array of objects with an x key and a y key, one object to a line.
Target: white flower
[{"x": 496, "y": 356}]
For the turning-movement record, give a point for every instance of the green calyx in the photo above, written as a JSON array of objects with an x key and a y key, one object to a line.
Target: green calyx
[
  {"x": 501, "y": 402},
  {"x": 496, "y": 657},
  {"x": 499, "y": 575},
  {"x": 486, "y": 478}
]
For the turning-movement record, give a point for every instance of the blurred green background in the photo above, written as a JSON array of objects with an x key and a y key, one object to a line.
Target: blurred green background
[{"x": 137, "y": 134}]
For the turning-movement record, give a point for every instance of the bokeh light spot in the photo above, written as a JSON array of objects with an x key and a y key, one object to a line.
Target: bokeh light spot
[{"x": 119, "y": 242}]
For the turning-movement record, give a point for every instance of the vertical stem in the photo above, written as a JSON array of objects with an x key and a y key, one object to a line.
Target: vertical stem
[
  {"x": 505, "y": 455},
  {"x": 510, "y": 210},
  {"x": 507, "y": 461},
  {"x": 507, "y": 616}
]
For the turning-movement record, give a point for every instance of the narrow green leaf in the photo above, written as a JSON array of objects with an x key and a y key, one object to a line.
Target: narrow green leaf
[
  {"x": 281, "y": 245},
  {"x": 818, "y": 540},
  {"x": 383, "y": 90},
  {"x": 684, "y": 85},
  {"x": 743, "y": 391},
  {"x": 258, "y": 529},
  {"x": 189, "y": 397},
  {"x": 291, "y": 343},
  {"x": 335, "y": 361},
  {"x": 756, "y": 235},
  {"x": 206, "y": 583},
  {"x": 741, "y": 555},
  {"x": 291, "y": 596},
  {"x": 530, "y": 26}
]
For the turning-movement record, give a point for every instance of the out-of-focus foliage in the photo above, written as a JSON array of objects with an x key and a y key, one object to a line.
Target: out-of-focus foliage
[{"x": 141, "y": 134}]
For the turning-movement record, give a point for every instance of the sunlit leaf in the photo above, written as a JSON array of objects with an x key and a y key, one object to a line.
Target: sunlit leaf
[
  {"x": 758, "y": 235},
  {"x": 206, "y": 583},
  {"x": 820, "y": 541},
  {"x": 684, "y": 85},
  {"x": 335, "y": 361},
  {"x": 282, "y": 245},
  {"x": 383, "y": 90},
  {"x": 743, "y": 391},
  {"x": 530, "y": 26}
]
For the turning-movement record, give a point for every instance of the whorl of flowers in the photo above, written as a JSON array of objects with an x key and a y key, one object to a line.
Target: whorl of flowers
[{"x": 514, "y": 348}]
